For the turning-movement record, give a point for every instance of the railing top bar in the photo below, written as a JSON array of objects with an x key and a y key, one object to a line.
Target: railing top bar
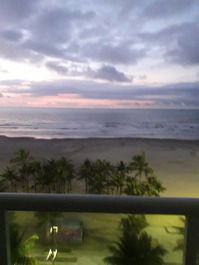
[{"x": 98, "y": 203}]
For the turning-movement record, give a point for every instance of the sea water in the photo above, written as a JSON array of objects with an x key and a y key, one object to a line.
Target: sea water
[{"x": 103, "y": 123}]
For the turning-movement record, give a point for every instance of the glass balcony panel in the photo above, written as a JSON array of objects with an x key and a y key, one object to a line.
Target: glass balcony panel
[{"x": 95, "y": 238}]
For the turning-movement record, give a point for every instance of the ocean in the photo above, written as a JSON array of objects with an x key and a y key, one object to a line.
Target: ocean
[{"x": 99, "y": 123}]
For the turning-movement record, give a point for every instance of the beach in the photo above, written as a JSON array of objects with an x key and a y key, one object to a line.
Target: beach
[{"x": 175, "y": 161}]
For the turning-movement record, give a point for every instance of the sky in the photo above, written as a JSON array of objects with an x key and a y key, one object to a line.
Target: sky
[{"x": 99, "y": 54}]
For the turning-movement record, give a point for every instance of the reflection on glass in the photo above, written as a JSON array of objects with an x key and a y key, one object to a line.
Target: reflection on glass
[{"x": 95, "y": 238}]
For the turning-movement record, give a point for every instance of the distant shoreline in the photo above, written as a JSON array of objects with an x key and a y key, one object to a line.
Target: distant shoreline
[{"x": 98, "y": 138}]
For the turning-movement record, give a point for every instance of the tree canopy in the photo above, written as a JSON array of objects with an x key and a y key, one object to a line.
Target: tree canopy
[
  {"x": 135, "y": 246},
  {"x": 27, "y": 174}
]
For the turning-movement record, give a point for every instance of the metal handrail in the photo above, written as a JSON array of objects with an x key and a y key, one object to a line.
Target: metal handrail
[{"x": 98, "y": 203}]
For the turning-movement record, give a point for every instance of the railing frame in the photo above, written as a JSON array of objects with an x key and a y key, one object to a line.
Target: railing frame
[
  {"x": 4, "y": 240},
  {"x": 189, "y": 207}
]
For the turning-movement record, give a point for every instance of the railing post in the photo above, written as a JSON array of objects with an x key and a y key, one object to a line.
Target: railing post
[
  {"x": 4, "y": 239},
  {"x": 191, "y": 246}
]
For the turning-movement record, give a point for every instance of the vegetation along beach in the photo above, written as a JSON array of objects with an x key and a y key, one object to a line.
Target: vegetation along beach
[
  {"x": 172, "y": 162},
  {"x": 175, "y": 162}
]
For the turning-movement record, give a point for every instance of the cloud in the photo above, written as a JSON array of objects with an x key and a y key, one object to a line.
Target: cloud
[
  {"x": 93, "y": 33},
  {"x": 57, "y": 67},
  {"x": 16, "y": 10},
  {"x": 115, "y": 54},
  {"x": 2, "y": 70},
  {"x": 105, "y": 72},
  {"x": 48, "y": 29},
  {"x": 16, "y": 52},
  {"x": 178, "y": 43},
  {"x": 110, "y": 73},
  {"x": 164, "y": 36},
  {"x": 142, "y": 77},
  {"x": 175, "y": 95},
  {"x": 186, "y": 51},
  {"x": 102, "y": 38},
  {"x": 51, "y": 27},
  {"x": 55, "y": 26},
  {"x": 163, "y": 8},
  {"x": 12, "y": 35},
  {"x": 10, "y": 82}
]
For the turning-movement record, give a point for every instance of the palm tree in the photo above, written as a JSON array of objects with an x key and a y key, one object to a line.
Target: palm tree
[
  {"x": 152, "y": 187},
  {"x": 86, "y": 172},
  {"x": 134, "y": 247},
  {"x": 99, "y": 180},
  {"x": 142, "y": 180},
  {"x": 139, "y": 166},
  {"x": 46, "y": 175},
  {"x": 65, "y": 174},
  {"x": 180, "y": 242},
  {"x": 109, "y": 176},
  {"x": 20, "y": 247},
  {"x": 36, "y": 169},
  {"x": 9, "y": 179},
  {"x": 21, "y": 162},
  {"x": 120, "y": 176}
]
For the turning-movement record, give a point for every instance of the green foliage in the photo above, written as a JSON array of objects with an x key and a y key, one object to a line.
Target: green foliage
[
  {"x": 135, "y": 178},
  {"x": 21, "y": 169},
  {"x": 21, "y": 245},
  {"x": 100, "y": 176},
  {"x": 135, "y": 246},
  {"x": 86, "y": 173},
  {"x": 65, "y": 174},
  {"x": 180, "y": 242},
  {"x": 141, "y": 179},
  {"x": 9, "y": 179},
  {"x": 119, "y": 177}
]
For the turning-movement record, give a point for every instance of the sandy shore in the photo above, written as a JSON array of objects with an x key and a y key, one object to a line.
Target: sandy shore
[{"x": 176, "y": 163}]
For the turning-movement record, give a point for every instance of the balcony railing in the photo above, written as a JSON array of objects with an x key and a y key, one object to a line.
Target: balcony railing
[{"x": 189, "y": 207}]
